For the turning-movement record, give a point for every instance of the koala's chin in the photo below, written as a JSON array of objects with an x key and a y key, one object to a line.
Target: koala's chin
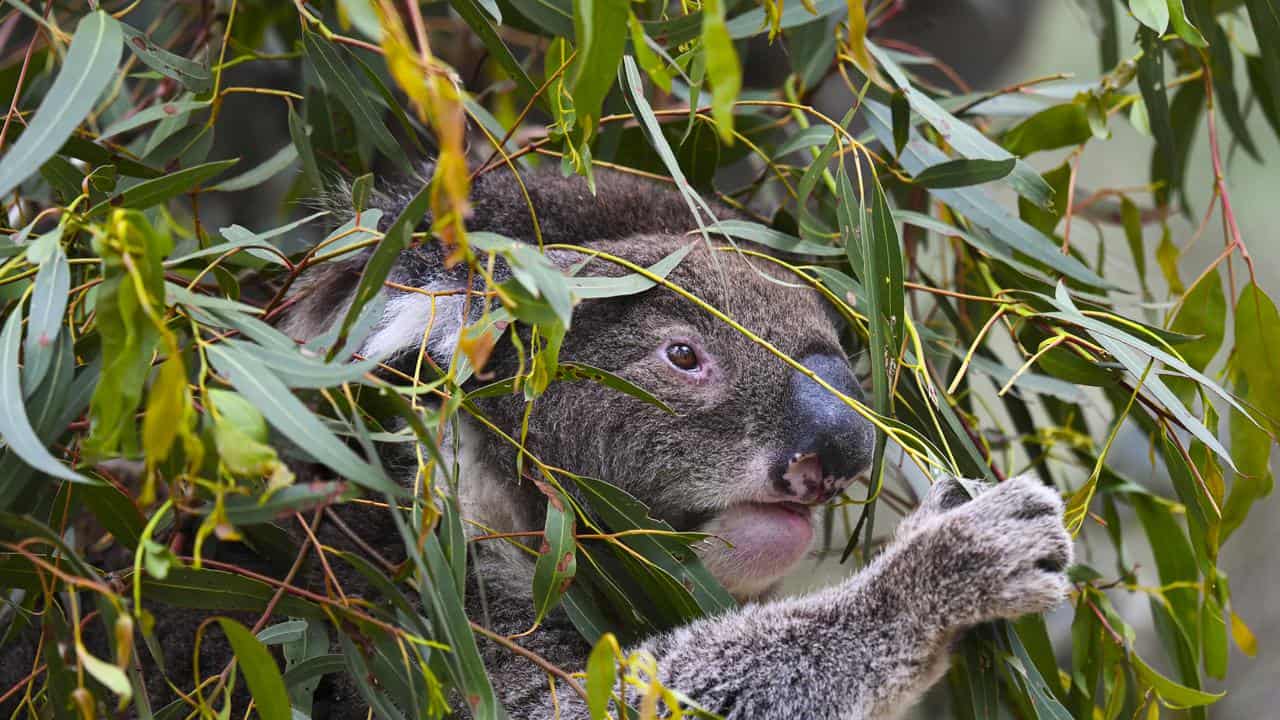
[{"x": 755, "y": 544}]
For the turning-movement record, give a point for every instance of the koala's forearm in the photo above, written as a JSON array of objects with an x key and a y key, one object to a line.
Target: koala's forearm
[{"x": 862, "y": 649}]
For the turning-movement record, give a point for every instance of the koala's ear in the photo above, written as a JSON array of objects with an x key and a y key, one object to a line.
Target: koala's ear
[
  {"x": 431, "y": 315},
  {"x": 426, "y": 308}
]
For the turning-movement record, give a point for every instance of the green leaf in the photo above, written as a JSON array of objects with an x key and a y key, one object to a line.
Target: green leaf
[
  {"x": 115, "y": 511},
  {"x": 1152, "y": 13},
  {"x": 112, "y": 677},
  {"x": 382, "y": 259},
  {"x": 483, "y": 27},
  {"x": 602, "y": 671},
  {"x": 1255, "y": 370},
  {"x": 1203, "y": 312},
  {"x": 586, "y": 287},
  {"x": 1151, "y": 81},
  {"x": 1256, "y": 68},
  {"x": 620, "y": 512},
  {"x": 1131, "y": 218},
  {"x": 901, "y": 110},
  {"x": 1171, "y": 693},
  {"x": 167, "y": 411},
  {"x": 1182, "y": 25},
  {"x": 1265, "y": 16},
  {"x": 222, "y": 591},
  {"x": 272, "y": 166},
  {"x": 149, "y": 193},
  {"x": 752, "y": 22},
  {"x": 980, "y": 208},
  {"x": 15, "y": 428},
  {"x": 723, "y": 69},
  {"x": 633, "y": 88},
  {"x": 1222, "y": 62},
  {"x": 1042, "y": 697},
  {"x": 557, "y": 563},
  {"x": 1060, "y": 126},
  {"x": 648, "y": 59},
  {"x": 298, "y": 133},
  {"x": 129, "y": 300},
  {"x": 963, "y": 137},
  {"x": 757, "y": 233},
  {"x": 89, "y": 67},
  {"x": 964, "y": 172},
  {"x": 343, "y": 85},
  {"x": 288, "y": 415},
  {"x": 598, "y": 35},
  {"x": 1121, "y": 345},
  {"x": 155, "y": 113},
  {"x": 48, "y": 303},
  {"x": 259, "y": 670},
  {"x": 1213, "y": 633},
  {"x": 193, "y": 75}
]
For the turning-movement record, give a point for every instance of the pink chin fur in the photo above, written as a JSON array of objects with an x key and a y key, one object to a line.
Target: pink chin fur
[{"x": 767, "y": 539}]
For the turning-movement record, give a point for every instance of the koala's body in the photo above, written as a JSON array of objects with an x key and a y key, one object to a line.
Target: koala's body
[{"x": 752, "y": 448}]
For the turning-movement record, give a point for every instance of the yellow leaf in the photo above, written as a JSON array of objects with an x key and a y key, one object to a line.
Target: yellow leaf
[
  {"x": 858, "y": 38},
  {"x": 166, "y": 413},
  {"x": 1243, "y": 636}
]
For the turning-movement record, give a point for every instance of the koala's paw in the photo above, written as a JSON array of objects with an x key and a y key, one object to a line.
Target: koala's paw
[{"x": 999, "y": 555}]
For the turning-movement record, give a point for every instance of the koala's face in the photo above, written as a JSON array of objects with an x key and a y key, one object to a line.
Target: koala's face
[{"x": 752, "y": 446}]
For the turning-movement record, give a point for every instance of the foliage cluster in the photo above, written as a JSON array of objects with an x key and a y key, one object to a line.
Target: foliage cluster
[{"x": 144, "y": 389}]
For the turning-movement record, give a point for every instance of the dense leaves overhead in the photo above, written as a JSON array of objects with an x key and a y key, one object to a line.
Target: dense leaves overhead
[{"x": 149, "y": 406}]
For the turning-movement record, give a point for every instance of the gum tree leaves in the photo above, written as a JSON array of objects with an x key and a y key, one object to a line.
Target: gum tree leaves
[
  {"x": 48, "y": 304},
  {"x": 129, "y": 304},
  {"x": 185, "y": 375},
  {"x": 964, "y": 172},
  {"x": 15, "y": 427},
  {"x": 1152, "y": 13},
  {"x": 194, "y": 75},
  {"x": 1255, "y": 372},
  {"x": 258, "y": 670},
  {"x": 557, "y": 563},
  {"x": 89, "y": 67},
  {"x": 723, "y": 69},
  {"x": 598, "y": 37},
  {"x": 1265, "y": 71}
]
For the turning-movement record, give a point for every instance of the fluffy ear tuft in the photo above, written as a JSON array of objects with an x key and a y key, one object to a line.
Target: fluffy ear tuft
[{"x": 431, "y": 317}]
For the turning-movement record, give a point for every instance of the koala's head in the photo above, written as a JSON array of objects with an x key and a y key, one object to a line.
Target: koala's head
[{"x": 752, "y": 445}]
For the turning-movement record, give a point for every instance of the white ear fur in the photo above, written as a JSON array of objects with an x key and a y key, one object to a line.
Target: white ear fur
[{"x": 410, "y": 318}]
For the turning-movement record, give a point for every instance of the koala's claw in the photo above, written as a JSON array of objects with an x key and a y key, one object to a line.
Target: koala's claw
[{"x": 1001, "y": 554}]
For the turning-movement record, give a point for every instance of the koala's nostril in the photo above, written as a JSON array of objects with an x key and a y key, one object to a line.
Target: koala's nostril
[{"x": 824, "y": 426}]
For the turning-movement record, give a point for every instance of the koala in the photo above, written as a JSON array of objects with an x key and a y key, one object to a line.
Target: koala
[{"x": 752, "y": 448}]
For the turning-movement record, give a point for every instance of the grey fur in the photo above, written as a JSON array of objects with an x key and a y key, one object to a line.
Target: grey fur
[{"x": 748, "y": 429}]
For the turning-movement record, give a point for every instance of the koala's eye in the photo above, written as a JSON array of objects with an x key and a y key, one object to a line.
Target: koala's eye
[{"x": 682, "y": 356}]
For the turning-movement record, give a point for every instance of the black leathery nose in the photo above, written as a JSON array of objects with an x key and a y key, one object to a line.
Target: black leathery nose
[{"x": 822, "y": 424}]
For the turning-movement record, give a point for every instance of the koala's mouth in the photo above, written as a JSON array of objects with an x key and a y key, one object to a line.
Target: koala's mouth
[
  {"x": 765, "y": 540},
  {"x": 794, "y": 508}
]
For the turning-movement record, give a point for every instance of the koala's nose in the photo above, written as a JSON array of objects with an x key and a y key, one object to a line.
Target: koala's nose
[{"x": 828, "y": 443}]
